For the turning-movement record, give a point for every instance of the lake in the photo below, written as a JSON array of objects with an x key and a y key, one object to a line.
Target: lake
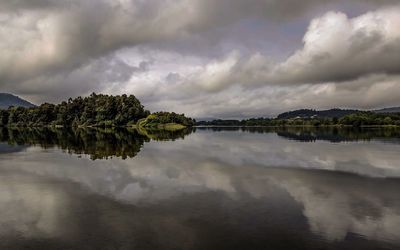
[{"x": 206, "y": 188}]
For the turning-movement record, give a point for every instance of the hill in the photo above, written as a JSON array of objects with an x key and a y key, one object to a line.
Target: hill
[
  {"x": 7, "y": 100},
  {"x": 387, "y": 110},
  {"x": 330, "y": 113},
  {"x": 311, "y": 113}
]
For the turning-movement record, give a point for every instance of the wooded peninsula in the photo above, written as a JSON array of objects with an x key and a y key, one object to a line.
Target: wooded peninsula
[{"x": 96, "y": 110}]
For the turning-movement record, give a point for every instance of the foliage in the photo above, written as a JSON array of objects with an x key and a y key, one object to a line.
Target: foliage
[
  {"x": 370, "y": 119},
  {"x": 94, "y": 110},
  {"x": 358, "y": 119},
  {"x": 311, "y": 113},
  {"x": 165, "y": 120}
]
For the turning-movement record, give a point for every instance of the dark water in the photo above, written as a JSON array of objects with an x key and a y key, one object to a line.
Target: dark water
[{"x": 221, "y": 188}]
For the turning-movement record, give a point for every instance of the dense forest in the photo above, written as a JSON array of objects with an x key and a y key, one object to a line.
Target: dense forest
[
  {"x": 96, "y": 110},
  {"x": 358, "y": 119}
]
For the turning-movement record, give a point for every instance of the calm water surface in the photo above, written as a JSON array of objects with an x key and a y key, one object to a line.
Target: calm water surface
[{"x": 221, "y": 188}]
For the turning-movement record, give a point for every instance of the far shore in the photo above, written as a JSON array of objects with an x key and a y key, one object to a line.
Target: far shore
[
  {"x": 179, "y": 126},
  {"x": 299, "y": 126}
]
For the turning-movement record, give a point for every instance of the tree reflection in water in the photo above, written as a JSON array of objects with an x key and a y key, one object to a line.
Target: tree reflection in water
[{"x": 95, "y": 142}]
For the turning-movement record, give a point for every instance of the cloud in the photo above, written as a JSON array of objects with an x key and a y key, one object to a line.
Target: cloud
[
  {"x": 336, "y": 49},
  {"x": 44, "y": 36},
  {"x": 94, "y": 76},
  {"x": 171, "y": 52}
]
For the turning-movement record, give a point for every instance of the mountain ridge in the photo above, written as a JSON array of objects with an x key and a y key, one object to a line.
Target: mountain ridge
[
  {"x": 388, "y": 110},
  {"x": 7, "y": 100},
  {"x": 331, "y": 113}
]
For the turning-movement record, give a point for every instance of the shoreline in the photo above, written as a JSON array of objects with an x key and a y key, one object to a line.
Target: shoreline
[
  {"x": 299, "y": 126},
  {"x": 210, "y": 126}
]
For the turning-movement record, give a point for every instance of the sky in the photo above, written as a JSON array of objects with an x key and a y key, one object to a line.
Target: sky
[{"x": 205, "y": 58}]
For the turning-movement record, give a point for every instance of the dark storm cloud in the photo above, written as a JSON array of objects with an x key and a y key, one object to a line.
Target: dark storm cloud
[{"x": 94, "y": 76}]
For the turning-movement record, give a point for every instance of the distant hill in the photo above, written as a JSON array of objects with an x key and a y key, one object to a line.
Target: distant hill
[
  {"x": 387, "y": 110},
  {"x": 311, "y": 113},
  {"x": 7, "y": 100}
]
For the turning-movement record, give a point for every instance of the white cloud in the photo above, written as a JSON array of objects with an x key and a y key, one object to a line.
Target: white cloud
[{"x": 338, "y": 48}]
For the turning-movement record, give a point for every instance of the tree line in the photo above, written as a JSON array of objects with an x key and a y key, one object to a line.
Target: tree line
[
  {"x": 96, "y": 110},
  {"x": 358, "y": 119}
]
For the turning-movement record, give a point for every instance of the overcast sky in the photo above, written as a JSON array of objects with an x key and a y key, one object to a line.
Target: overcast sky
[{"x": 205, "y": 58}]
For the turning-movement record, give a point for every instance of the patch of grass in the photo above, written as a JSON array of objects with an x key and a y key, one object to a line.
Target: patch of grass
[{"x": 171, "y": 126}]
